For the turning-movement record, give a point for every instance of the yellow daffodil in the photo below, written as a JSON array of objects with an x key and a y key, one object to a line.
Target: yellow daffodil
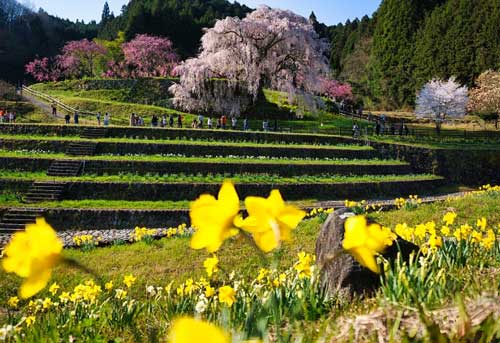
[
  {"x": 47, "y": 303},
  {"x": 190, "y": 330},
  {"x": 213, "y": 218},
  {"x": 227, "y": 295},
  {"x": 120, "y": 294},
  {"x": 481, "y": 224},
  {"x": 209, "y": 291},
  {"x": 270, "y": 220},
  {"x": 449, "y": 218},
  {"x": 211, "y": 265},
  {"x": 32, "y": 254},
  {"x": 129, "y": 280},
  {"x": 364, "y": 241},
  {"x": 64, "y": 297},
  {"x": 13, "y": 302},
  {"x": 30, "y": 320},
  {"x": 54, "y": 288},
  {"x": 303, "y": 266},
  {"x": 108, "y": 286}
]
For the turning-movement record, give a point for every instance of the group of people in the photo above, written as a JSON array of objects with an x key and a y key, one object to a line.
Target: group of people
[
  {"x": 7, "y": 116},
  {"x": 381, "y": 127},
  {"x": 156, "y": 120}
]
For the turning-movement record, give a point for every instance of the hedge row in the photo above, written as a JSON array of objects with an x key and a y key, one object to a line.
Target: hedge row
[
  {"x": 100, "y": 167},
  {"x": 210, "y": 149},
  {"x": 173, "y": 133},
  {"x": 188, "y": 191}
]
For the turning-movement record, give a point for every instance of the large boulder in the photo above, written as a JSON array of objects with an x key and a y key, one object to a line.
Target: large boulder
[{"x": 340, "y": 273}]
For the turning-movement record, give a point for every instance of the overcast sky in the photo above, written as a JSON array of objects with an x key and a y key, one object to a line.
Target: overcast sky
[{"x": 327, "y": 11}]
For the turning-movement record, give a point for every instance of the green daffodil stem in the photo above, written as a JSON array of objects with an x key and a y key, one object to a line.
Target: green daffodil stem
[{"x": 250, "y": 241}]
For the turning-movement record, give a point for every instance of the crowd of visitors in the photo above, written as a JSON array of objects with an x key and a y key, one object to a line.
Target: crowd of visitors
[
  {"x": 200, "y": 122},
  {"x": 7, "y": 116}
]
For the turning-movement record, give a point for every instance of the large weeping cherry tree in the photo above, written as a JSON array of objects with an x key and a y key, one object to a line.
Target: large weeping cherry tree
[
  {"x": 440, "y": 99},
  {"x": 238, "y": 57}
]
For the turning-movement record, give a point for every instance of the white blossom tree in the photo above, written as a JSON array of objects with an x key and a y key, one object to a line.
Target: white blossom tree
[
  {"x": 440, "y": 99},
  {"x": 268, "y": 48}
]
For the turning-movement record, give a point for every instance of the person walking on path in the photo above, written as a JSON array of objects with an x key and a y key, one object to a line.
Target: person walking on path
[
  {"x": 76, "y": 117},
  {"x": 171, "y": 120},
  {"x": 233, "y": 123},
  {"x": 245, "y": 124},
  {"x": 54, "y": 109},
  {"x": 98, "y": 117},
  {"x": 223, "y": 120},
  {"x": 107, "y": 118},
  {"x": 67, "y": 117},
  {"x": 179, "y": 121},
  {"x": 209, "y": 123}
]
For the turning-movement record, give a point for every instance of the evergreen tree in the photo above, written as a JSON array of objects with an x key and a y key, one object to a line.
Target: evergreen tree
[
  {"x": 392, "y": 60},
  {"x": 106, "y": 14}
]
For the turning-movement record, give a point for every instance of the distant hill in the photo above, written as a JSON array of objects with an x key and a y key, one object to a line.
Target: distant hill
[
  {"x": 24, "y": 34},
  {"x": 386, "y": 57},
  {"x": 180, "y": 20}
]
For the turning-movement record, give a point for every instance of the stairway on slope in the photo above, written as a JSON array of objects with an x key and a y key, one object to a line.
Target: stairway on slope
[
  {"x": 44, "y": 191},
  {"x": 16, "y": 219}
]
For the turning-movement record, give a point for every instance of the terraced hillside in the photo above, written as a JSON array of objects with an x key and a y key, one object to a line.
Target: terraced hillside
[{"x": 110, "y": 177}]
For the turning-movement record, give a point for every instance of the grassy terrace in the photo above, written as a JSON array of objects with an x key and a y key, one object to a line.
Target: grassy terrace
[
  {"x": 188, "y": 142},
  {"x": 213, "y": 178},
  {"x": 167, "y": 260},
  {"x": 445, "y": 143},
  {"x": 228, "y": 159}
]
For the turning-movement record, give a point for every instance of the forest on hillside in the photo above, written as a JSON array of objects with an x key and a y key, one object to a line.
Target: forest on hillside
[{"x": 386, "y": 57}]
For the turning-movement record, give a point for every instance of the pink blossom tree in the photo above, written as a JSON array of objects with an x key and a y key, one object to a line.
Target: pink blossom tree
[
  {"x": 43, "y": 70},
  {"x": 337, "y": 91},
  {"x": 268, "y": 48},
  {"x": 149, "y": 56},
  {"x": 79, "y": 58},
  {"x": 486, "y": 96},
  {"x": 440, "y": 99}
]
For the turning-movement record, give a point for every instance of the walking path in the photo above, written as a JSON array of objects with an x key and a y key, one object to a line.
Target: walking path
[{"x": 110, "y": 236}]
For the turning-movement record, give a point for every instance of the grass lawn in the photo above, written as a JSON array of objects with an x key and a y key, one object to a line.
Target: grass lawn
[
  {"x": 212, "y": 178},
  {"x": 227, "y": 159},
  {"x": 169, "y": 260},
  {"x": 191, "y": 142}
]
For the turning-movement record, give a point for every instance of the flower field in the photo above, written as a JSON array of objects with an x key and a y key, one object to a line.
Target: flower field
[{"x": 244, "y": 284}]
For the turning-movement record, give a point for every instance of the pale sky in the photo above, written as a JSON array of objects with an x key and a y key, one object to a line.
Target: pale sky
[{"x": 328, "y": 11}]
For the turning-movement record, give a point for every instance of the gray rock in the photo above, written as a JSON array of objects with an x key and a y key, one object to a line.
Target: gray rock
[{"x": 340, "y": 272}]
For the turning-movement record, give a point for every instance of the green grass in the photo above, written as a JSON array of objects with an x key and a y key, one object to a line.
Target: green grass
[
  {"x": 443, "y": 143},
  {"x": 190, "y": 142},
  {"x": 213, "y": 178},
  {"x": 228, "y": 159},
  {"x": 167, "y": 260}
]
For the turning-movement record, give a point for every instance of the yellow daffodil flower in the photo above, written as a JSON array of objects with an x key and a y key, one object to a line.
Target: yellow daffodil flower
[
  {"x": 32, "y": 254},
  {"x": 364, "y": 241},
  {"x": 270, "y": 220},
  {"x": 189, "y": 330},
  {"x": 30, "y": 320},
  {"x": 449, "y": 218},
  {"x": 54, "y": 288},
  {"x": 13, "y": 302},
  {"x": 129, "y": 280},
  {"x": 227, "y": 295},
  {"x": 108, "y": 286},
  {"x": 213, "y": 218},
  {"x": 211, "y": 265}
]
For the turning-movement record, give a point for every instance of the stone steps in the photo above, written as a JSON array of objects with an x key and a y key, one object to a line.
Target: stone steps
[
  {"x": 81, "y": 149},
  {"x": 65, "y": 168},
  {"x": 94, "y": 132},
  {"x": 44, "y": 191},
  {"x": 16, "y": 219}
]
